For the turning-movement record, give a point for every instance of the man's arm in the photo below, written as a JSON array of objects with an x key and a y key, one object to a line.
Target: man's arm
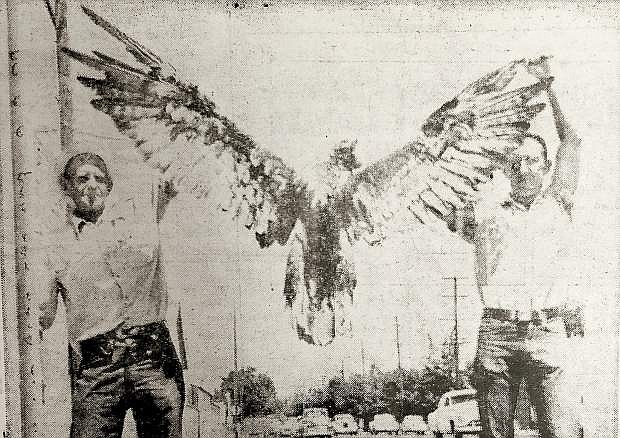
[
  {"x": 567, "y": 159},
  {"x": 47, "y": 262},
  {"x": 164, "y": 194},
  {"x": 566, "y": 172},
  {"x": 49, "y": 306}
]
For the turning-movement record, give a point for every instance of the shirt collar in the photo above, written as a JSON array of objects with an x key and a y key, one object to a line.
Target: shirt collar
[{"x": 78, "y": 223}]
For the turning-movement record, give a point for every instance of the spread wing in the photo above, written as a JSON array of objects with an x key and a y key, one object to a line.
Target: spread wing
[
  {"x": 179, "y": 131},
  {"x": 462, "y": 143}
]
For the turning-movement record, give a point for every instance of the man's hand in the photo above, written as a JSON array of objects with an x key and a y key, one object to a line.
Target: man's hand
[
  {"x": 539, "y": 67},
  {"x": 46, "y": 316}
]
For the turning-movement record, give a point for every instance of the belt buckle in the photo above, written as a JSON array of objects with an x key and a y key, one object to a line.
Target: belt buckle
[
  {"x": 120, "y": 333},
  {"x": 119, "y": 352}
]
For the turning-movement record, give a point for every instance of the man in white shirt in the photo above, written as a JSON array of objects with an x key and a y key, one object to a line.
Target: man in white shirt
[
  {"x": 528, "y": 313},
  {"x": 106, "y": 264}
]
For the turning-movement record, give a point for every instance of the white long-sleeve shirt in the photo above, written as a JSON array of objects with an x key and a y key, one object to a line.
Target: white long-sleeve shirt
[{"x": 109, "y": 273}]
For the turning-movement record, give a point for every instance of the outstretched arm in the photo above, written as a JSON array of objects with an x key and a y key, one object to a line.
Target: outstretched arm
[{"x": 566, "y": 172}]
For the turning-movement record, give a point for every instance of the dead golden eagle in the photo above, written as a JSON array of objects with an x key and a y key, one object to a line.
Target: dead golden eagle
[{"x": 179, "y": 131}]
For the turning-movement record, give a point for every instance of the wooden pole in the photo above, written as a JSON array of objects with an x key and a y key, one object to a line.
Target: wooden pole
[
  {"x": 29, "y": 399},
  {"x": 9, "y": 303},
  {"x": 58, "y": 16},
  {"x": 65, "y": 91}
]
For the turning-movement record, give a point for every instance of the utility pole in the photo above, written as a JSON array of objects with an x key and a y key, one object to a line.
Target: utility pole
[
  {"x": 235, "y": 340},
  {"x": 24, "y": 395},
  {"x": 236, "y": 375},
  {"x": 455, "y": 297},
  {"x": 456, "y": 332},
  {"x": 363, "y": 360},
  {"x": 400, "y": 370},
  {"x": 397, "y": 342}
]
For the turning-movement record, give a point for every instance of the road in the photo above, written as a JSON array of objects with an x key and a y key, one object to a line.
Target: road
[{"x": 518, "y": 434}]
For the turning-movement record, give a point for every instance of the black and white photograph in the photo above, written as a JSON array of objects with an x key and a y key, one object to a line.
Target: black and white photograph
[{"x": 235, "y": 219}]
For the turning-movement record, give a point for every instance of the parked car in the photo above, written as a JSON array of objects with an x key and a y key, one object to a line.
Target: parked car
[
  {"x": 290, "y": 427},
  {"x": 262, "y": 427},
  {"x": 384, "y": 423},
  {"x": 413, "y": 424},
  {"x": 315, "y": 423},
  {"x": 274, "y": 421},
  {"x": 255, "y": 427},
  {"x": 344, "y": 424},
  {"x": 456, "y": 413}
]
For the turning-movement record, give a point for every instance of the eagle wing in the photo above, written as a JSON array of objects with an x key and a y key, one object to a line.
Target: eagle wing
[
  {"x": 461, "y": 144},
  {"x": 179, "y": 131}
]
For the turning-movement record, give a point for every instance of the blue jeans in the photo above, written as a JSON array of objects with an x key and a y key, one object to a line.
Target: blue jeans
[
  {"x": 510, "y": 351},
  {"x": 102, "y": 395}
]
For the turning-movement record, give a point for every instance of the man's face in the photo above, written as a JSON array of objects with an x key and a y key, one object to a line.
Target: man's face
[
  {"x": 526, "y": 169},
  {"x": 89, "y": 189}
]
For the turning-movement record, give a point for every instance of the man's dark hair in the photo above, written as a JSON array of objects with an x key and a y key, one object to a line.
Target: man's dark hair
[{"x": 80, "y": 159}]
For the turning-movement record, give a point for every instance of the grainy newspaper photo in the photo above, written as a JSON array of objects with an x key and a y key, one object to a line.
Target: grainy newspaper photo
[{"x": 309, "y": 219}]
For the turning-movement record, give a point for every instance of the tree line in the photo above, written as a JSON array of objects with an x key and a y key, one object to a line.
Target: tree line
[{"x": 399, "y": 392}]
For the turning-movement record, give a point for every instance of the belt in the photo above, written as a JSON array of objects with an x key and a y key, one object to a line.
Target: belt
[
  {"x": 127, "y": 345},
  {"x": 520, "y": 316}
]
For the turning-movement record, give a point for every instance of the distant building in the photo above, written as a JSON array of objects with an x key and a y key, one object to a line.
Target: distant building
[{"x": 203, "y": 417}]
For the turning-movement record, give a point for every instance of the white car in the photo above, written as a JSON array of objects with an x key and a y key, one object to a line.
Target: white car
[
  {"x": 384, "y": 423},
  {"x": 290, "y": 427},
  {"x": 315, "y": 423},
  {"x": 413, "y": 424},
  {"x": 344, "y": 424},
  {"x": 457, "y": 413}
]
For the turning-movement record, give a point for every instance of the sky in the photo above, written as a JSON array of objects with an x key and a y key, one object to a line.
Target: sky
[{"x": 300, "y": 78}]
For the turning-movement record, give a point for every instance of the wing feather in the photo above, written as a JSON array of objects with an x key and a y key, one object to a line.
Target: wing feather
[
  {"x": 141, "y": 53},
  {"x": 445, "y": 193},
  {"x": 432, "y": 200},
  {"x": 198, "y": 150}
]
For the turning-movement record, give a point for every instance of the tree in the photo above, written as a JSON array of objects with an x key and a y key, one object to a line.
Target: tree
[
  {"x": 434, "y": 380},
  {"x": 256, "y": 393},
  {"x": 399, "y": 392}
]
